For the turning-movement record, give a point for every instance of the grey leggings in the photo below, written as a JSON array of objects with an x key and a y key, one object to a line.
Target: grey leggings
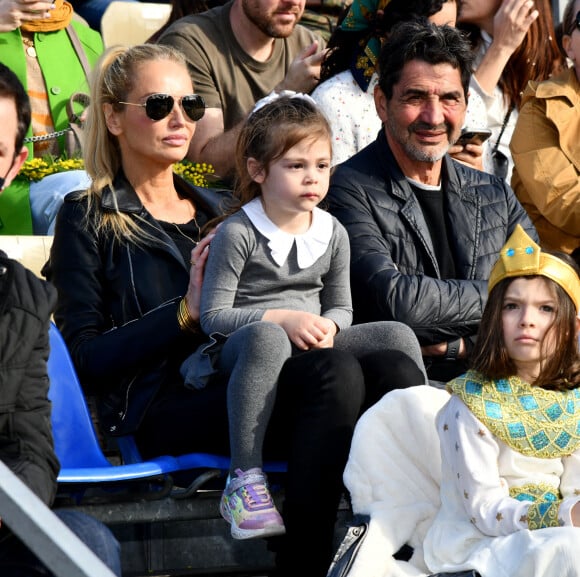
[{"x": 254, "y": 356}]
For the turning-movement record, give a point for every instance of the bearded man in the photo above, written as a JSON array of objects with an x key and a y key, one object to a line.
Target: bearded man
[
  {"x": 425, "y": 230},
  {"x": 239, "y": 53}
]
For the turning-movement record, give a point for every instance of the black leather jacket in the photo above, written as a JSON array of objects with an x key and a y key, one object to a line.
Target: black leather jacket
[
  {"x": 26, "y": 444},
  {"x": 394, "y": 272},
  {"x": 117, "y": 303}
]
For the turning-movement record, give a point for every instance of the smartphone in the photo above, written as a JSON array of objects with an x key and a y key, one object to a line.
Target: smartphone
[{"x": 473, "y": 136}]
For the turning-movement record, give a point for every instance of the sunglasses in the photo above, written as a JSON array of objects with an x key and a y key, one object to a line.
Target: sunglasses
[{"x": 158, "y": 106}]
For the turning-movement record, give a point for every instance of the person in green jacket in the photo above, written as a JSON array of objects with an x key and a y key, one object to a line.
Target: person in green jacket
[{"x": 52, "y": 57}]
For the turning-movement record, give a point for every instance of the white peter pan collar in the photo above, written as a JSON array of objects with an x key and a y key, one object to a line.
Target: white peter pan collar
[{"x": 310, "y": 246}]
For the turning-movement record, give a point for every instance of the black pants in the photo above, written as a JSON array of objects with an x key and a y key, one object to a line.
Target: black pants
[{"x": 321, "y": 394}]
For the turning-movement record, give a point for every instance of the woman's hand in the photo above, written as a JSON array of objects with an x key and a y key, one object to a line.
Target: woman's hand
[
  {"x": 470, "y": 154},
  {"x": 14, "y": 12},
  {"x": 511, "y": 23},
  {"x": 198, "y": 259}
]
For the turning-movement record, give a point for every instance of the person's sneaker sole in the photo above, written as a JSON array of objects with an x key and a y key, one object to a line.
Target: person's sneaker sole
[{"x": 268, "y": 531}]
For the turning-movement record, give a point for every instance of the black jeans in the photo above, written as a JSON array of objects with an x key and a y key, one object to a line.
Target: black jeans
[{"x": 320, "y": 396}]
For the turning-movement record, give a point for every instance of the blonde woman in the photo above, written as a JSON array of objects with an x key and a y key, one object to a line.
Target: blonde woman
[{"x": 128, "y": 258}]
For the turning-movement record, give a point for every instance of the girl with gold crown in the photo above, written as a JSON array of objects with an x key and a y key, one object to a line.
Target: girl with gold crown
[{"x": 510, "y": 432}]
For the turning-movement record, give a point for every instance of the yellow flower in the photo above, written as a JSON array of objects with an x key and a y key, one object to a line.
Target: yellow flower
[
  {"x": 194, "y": 172},
  {"x": 37, "y": 168}
]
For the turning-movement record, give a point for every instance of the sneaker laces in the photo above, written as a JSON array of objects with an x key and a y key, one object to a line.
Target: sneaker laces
[
  {"x": 256, "y": 496},
  {"x": 254, "y": 490}
]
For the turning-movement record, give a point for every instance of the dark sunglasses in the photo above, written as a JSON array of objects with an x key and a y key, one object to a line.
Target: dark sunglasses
[{"x": 158, "y": 106}]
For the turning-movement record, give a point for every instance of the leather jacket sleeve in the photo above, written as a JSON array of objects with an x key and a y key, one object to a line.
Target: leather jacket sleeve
[
  {"x": 116, "y": 312},
  {"x": 394, "y": 274}
]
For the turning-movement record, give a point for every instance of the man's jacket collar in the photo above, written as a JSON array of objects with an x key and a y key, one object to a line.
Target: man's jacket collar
[{"x": 392, "y": 171}]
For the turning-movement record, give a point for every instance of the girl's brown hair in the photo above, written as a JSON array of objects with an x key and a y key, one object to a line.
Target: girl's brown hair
[{"x": 268, "y": 134}]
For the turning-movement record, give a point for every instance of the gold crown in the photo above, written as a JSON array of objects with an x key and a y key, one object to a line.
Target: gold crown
[{"x": 521, "y": 256}]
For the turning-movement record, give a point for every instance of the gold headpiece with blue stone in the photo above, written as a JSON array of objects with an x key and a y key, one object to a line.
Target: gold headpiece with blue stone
[{"x": 521, "y": 256}]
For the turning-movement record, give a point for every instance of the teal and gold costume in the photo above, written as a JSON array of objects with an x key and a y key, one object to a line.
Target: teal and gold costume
[
  {"x": 510, "y": 477},
  {"x": 532, "y": 421}
]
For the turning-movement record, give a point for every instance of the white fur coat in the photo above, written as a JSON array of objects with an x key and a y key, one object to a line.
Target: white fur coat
[{"x": 395, "y": 452}]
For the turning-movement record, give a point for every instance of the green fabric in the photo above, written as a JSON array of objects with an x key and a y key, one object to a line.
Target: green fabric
[
  {"x": 531, "y": 420},
  {"x": 63, "y": 75},
  {"x": 15, "y": 216},
  {"x": 359, "y": 18}
]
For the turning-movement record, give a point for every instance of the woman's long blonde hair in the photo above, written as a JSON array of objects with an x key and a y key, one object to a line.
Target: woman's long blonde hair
[{"x": 112, "y": 80}]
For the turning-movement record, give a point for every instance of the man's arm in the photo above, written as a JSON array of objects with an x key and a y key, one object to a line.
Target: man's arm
[
  {"x": 215, "y": 145},
  {"x": 387, "y": 274}
]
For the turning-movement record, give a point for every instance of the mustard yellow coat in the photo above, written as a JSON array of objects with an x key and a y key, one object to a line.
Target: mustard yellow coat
[{"x": 546, "y": 151}]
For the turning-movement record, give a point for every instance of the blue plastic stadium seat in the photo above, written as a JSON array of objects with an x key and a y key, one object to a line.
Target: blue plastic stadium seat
[
  {"x": 130, "y": 454},
  {"x": 77, "y": 445}
]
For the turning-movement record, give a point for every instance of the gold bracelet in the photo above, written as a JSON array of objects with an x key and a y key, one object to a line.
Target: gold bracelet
[{"x": 186, "y": 323}]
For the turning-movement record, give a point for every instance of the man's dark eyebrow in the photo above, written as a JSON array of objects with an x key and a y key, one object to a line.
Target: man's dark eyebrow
[
  {"x": 417, "y": 92},
  {"x": 456, "y": 94}
]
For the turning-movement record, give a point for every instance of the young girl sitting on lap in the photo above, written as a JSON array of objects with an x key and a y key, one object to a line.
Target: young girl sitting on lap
[{"x": 277, "y": 287}]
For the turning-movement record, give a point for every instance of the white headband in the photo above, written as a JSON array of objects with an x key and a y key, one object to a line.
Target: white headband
[{"x": 275, "y": 95}]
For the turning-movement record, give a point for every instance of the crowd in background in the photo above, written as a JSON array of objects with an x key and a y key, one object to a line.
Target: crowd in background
[{"x": 423, "y": 215}]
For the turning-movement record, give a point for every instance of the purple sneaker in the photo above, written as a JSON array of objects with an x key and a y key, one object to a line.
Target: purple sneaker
[{"x": 248, "y": 507}]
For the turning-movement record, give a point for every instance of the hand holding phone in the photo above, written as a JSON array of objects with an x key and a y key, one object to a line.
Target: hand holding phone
[{"x": 473, "y": 136}]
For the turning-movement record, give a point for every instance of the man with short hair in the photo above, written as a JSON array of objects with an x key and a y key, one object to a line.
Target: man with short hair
[
  {"x": 239, "y": 53},
  {"x": 26, "y": 306},
  {"x": 425, "y": 230}
]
